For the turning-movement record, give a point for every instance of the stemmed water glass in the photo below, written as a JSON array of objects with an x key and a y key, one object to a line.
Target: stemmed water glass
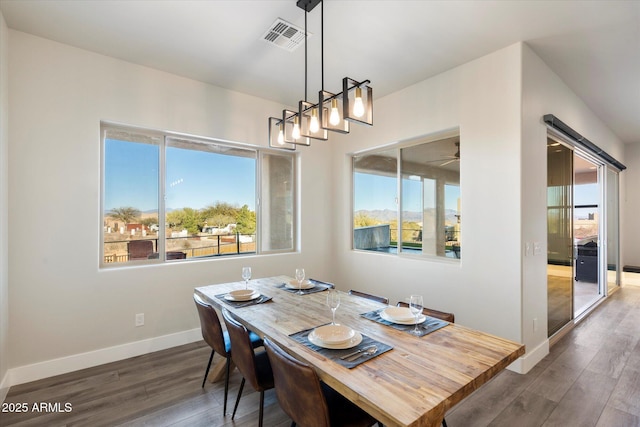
[
  {"x": 246, "y": 275},
  {"x": 415, "y": 305},
  {"x": 300, "y": 278},
  {"x": 333, "y": 301}
]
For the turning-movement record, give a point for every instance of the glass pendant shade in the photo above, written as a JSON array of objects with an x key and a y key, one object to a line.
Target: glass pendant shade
[
  {"x": 291, "y": 129},
  {"x": 331, "y": 114},
  {"x": 357, "y": 100},
  {"x": 310, "y": 125},
  {"x": 276, "y": 135}
]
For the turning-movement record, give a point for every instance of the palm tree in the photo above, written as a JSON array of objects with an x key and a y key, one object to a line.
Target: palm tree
[{"x": 125, "y": 214}]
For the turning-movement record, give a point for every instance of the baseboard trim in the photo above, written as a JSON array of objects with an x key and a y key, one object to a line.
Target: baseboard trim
[
  {"x": 523, "y": 364},
  {"x": 75, "y": 362}
]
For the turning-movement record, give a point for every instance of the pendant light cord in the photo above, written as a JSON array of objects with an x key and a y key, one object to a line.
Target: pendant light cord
[
  {"x": 322, "y": 41},
  {"x": 305, "y": 55}
]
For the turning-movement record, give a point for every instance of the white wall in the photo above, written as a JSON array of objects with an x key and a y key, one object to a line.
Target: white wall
[
  {"x": 4, "y": 206},
  {"x": 630, "y": 206},
  {"x": 545, "y": 93},
  {"x": 483, "y": 289},
  {"x": 62, "y": 304}
]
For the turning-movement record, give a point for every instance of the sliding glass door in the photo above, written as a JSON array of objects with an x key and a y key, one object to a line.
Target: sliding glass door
[
  {"x": 583, "y": 261},
  {"x": 560, "y": 256},
  {"x": 587, "y": 230}
]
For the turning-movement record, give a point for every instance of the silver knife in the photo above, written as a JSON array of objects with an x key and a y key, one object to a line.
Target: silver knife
[{"x": 356, "y": 352}]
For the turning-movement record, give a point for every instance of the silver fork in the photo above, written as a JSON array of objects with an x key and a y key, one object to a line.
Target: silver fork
[{"x": 368, "y": 352}]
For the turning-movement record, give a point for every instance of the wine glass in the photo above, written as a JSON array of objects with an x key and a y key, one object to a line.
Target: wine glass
[
  {"x": 300, "y": 278},
  {"x": 415, "y": 305},
  {"x": 333, "y": 301},
  {"x": 246, "y": 275}
]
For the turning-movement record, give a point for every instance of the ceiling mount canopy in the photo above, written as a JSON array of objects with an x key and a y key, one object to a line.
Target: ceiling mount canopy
[{"x": 333, "y": 111}]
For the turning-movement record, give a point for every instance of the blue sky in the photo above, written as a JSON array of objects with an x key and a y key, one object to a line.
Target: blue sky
[{"x": 195, "y": 179}]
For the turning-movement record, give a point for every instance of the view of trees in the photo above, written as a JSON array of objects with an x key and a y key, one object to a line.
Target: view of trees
[
  {"x": 126, "y": 214},
  {"x": 218, "y": 215}
]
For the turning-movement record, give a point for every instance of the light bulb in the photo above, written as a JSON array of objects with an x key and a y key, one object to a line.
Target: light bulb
[
  {"x": 334, "y": 117},
  {"x": 358, "y": 105},
  {"x": 281, "y": 136},
  {"x": 314, "y": 125},
  {"x": 296, "y": 129}
]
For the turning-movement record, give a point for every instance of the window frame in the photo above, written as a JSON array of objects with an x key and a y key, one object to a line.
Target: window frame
[
  {"x": 398, "y": 148},
  {"x": 165, "y": 136}
]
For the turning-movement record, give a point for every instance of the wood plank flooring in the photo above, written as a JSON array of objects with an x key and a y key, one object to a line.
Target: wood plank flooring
[{"x": 590, "y": 378}]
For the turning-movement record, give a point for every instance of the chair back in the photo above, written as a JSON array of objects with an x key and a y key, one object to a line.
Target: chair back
[
  {"x": 139, "y": 249},
  {"x": 242, "y": 350},
  {"x": 298, "y": 388},
  {"x": 211, "y": 326},
  {"x": 449, "y": 317},
  {"x": 383, "y": 300}
]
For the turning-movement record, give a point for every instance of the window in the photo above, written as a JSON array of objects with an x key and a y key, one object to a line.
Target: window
[
  {"x": 170, "y": 198},
  {"x": 407, "y": 199}
]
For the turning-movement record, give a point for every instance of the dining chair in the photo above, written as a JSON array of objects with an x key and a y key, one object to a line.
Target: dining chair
[
  {"x": 254, "y": 366},
  {"x": 442, "y": 315},
  {"x": 383, "y": 300},
  {"x": 218, "y": 340},
  {"x": 308, "y": 401}
]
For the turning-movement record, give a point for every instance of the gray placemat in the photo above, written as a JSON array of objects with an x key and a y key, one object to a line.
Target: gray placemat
[
  {"x": 237, "y": 304},
  {"x": 335, "y": 355},
  {"x": 429, "y": 325},
  {"x": 318, "y": 287},
  {"x": 320, "y": 282}
]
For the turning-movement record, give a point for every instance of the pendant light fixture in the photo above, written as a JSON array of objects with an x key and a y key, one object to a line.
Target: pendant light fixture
[{"x": 333, "y": 112}]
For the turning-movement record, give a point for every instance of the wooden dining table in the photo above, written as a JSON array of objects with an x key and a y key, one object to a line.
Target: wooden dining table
[{"x": 414, "y": 384}]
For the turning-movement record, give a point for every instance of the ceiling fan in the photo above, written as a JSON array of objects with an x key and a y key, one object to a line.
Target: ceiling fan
[{"x": 449, "y": 159}]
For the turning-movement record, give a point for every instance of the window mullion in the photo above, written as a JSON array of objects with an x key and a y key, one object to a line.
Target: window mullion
[{"x": 162, "y": 195}]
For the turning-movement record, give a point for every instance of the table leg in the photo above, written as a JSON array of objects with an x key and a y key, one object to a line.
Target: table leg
[{"x": 217, "y": 371}]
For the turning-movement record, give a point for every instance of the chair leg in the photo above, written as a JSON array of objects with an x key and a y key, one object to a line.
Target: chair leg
[
  {"x": 238, "y": 398},
  {"x": 226, "y": 386},
  {"x": 208, "y": 367},
  {"x": 261, "y": 408}
]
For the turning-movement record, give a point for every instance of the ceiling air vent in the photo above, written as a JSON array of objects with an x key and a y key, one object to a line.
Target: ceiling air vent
[{"x": 285, "y": 35}]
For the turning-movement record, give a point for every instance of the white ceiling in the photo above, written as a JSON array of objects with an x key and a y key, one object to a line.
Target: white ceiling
[{"x": 594, "y": 46}]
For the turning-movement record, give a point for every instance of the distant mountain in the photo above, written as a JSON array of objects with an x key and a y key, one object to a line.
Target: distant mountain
[{"x": 386, "y": 215}]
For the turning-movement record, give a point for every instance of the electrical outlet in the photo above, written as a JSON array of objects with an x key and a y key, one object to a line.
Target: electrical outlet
[
  {"x": 140, "y": 319},
  {"x": 535, "y": 324},
  {"x": 537, "y": 248}
]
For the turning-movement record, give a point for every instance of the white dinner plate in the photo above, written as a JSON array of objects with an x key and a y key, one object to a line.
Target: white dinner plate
[
  {"x": 333, "y": 334},
  {"x": 402, "y": 314},
  {"x": 421, "y": 319},
  {"x": 357, "y": 339},
  {"x": 294, "y": 285},
  {"x": 243, "y": 295}
]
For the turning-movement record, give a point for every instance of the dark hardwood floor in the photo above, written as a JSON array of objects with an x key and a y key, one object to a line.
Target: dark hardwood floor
[{"x": 590, "y": 378}]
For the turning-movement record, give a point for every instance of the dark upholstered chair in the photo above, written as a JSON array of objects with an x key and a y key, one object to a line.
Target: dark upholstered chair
[
  {"x": 449, "y": 317},
  {"x": 139, "y": 249},
  {"x": 383, "y": 300},
  {"x": 217, "y": 339},
  {"x": 176, "y": 255},
  {"x": 307, "y": 400},
  {"x": 254, "y": 366}
]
